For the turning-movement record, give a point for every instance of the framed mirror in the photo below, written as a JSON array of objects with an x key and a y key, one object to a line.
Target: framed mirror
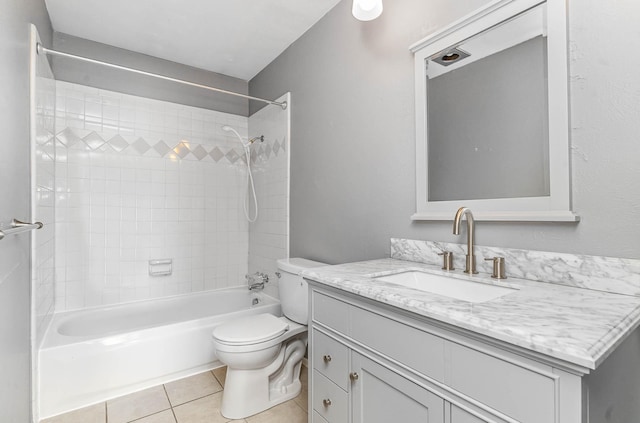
[{"x": 492, "y": 115}]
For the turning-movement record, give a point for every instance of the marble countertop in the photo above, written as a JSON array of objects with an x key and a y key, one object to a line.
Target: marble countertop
[{"x": 581, "y": 326}]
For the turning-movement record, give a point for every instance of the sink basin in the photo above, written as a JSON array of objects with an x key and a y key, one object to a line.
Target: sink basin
[{"x": 473, "y": 292}]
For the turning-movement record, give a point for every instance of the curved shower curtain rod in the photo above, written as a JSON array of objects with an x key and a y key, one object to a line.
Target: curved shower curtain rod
[{"x": 43, "y": 50}]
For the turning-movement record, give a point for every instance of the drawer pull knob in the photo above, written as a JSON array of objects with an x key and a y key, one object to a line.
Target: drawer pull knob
[
  {"x": 353, "y": 376},
  {"x": 327, "y": 358},
  {"x": 326, "y": 402}
]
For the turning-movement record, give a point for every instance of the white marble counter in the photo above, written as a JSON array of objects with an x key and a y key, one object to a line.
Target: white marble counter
[{"x": 581, "y": 326}]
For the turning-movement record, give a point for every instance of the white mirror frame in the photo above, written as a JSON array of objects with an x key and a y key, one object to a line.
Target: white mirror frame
[{"x": 555, "y": 207}]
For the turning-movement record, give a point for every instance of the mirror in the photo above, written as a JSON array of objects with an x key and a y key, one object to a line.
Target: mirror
[{"x": 492, "y": 126}]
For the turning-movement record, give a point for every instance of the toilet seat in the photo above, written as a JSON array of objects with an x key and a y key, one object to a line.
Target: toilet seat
[{"x": 250, "y": 330}]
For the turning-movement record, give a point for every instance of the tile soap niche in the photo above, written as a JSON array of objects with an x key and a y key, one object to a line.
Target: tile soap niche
[{"x": 160, "y": 267}]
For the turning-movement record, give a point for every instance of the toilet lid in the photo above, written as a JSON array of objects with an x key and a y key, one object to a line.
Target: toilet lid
[{"x": 250, "y": 330}]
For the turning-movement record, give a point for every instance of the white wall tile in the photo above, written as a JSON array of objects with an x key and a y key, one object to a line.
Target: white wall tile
[
  {"x": 117, "y": 210},
  {"x": 269, "y": 235}
]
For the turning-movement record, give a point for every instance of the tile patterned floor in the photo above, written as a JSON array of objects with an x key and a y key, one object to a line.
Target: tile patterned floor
[{"x": 195, "y": 399}]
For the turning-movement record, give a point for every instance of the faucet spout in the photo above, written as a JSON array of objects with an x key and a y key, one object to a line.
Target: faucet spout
[{"x": 471, "y": 258}]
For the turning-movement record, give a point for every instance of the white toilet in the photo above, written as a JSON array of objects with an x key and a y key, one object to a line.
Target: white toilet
[{"x": 263, "y": 353}]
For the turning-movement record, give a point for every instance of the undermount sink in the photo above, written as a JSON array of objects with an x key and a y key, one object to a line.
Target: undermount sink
[{"x": 473, "y": 292}]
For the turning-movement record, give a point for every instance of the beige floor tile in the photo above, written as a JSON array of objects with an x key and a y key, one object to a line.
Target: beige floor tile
[
  {"x": 288, "y": 412},
  {"x": 203, "y": 410},
  {"x": 165, "y": 416},
  {"x": 303, "y": 399},
  {"x": 191, "y": 388},
  {"x": 221, "y": 374},
  {"x": 137, "y": 405},
  {"x": 92, "y": 414}
]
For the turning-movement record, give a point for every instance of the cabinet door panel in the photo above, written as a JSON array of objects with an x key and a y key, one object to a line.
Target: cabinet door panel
[
  {"x": 317, "y": 418},
  {"x": 381, "y": 396},
  {"x": 458, "y": 415}
]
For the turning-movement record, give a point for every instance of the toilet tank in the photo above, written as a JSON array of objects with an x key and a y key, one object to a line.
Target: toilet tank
[{"x": 294, "y": 291}]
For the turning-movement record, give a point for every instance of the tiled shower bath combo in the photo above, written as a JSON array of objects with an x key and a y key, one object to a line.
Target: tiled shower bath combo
[{"x": 124, "y": 181}]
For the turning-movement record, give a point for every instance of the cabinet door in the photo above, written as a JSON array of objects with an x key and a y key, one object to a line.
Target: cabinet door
[
  {"x": 458, "y": 415},
  {"x": 382, "y": 396}
]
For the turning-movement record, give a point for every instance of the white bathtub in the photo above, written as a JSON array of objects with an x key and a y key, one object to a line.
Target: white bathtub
[{"x": 89, "y": 356}]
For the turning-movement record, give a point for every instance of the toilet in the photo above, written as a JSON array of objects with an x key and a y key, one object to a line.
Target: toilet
[{"x": 263, "y": 353}]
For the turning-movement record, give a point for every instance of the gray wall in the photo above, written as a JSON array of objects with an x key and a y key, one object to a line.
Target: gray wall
[
  {"x": 352, "y": 141},
  {"x": 15, "y": 281},
  {"x": 125, "y": 82}
]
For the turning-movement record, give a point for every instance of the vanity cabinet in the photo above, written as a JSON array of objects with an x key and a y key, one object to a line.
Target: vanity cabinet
[
  {"x": 373, "y": 363},
  {"x": 370, "y": 393}
]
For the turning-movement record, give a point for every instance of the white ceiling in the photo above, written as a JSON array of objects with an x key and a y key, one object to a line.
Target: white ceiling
[{"x": 233, "y": 37}]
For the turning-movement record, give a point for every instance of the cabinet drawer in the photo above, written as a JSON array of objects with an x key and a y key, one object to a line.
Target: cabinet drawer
[
  {"x": 521, "y": 391},
  {"x": 410, "y": 346},
  {"x": 331, "y": 358},
  {"x": 331, "y": 312},
  {"x": 335, "y": 409}
]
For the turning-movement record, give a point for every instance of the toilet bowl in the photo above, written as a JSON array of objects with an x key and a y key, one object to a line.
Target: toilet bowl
[{"x": 263, "y": 352}]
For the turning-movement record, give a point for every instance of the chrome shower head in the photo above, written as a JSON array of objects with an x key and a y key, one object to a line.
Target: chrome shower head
[{"x": 227, "y": 128}]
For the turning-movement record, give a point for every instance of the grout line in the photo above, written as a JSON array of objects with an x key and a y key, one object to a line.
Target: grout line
[
  {"x": 216, "y": 377},
  {"x": 170, "y": 404},
  {"x": 299, "y": 406},
  {"x": 196, "y": 399},
  {"x": 149, "y": 415}
]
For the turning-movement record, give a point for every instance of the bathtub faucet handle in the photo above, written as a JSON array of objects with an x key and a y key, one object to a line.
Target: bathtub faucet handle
[
  {"x": 263, "y": 277},
  {"x": 257, "y": 280}
]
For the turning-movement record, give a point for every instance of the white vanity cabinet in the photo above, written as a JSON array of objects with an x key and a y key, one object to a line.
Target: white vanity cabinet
[{"x": 372, "y": 363}]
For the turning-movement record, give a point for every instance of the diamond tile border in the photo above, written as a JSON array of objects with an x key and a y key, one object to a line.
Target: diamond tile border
[{"x": 73, "y": 138}]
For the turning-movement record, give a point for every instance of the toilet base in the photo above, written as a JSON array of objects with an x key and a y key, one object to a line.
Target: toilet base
[{"x": 248, "y": 392}]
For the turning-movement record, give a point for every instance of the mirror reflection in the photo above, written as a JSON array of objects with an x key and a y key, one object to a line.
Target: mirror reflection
[{"x": 487, "y": 108}]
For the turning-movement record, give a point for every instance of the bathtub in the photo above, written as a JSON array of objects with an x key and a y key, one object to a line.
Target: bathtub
[{"x": 89, "y": 356}]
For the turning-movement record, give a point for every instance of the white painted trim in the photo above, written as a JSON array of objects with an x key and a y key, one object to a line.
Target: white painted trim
[
  {"x": 555, "y": 207},
  {"x": 34, "y": 38},
  {"x": 507, "y": 216}
]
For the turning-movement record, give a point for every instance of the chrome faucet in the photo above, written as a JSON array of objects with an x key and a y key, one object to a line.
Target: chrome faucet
[{"x": 471, "y": 258}]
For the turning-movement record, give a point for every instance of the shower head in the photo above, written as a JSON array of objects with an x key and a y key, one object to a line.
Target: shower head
[
  {"x": 260, "y": 138},
  {"x": 227, "y": 128},
  {"x": 250, "y": 183}
]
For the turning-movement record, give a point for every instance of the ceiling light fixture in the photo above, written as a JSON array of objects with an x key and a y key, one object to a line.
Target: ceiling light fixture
[{"x": 366, "y": 10}]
